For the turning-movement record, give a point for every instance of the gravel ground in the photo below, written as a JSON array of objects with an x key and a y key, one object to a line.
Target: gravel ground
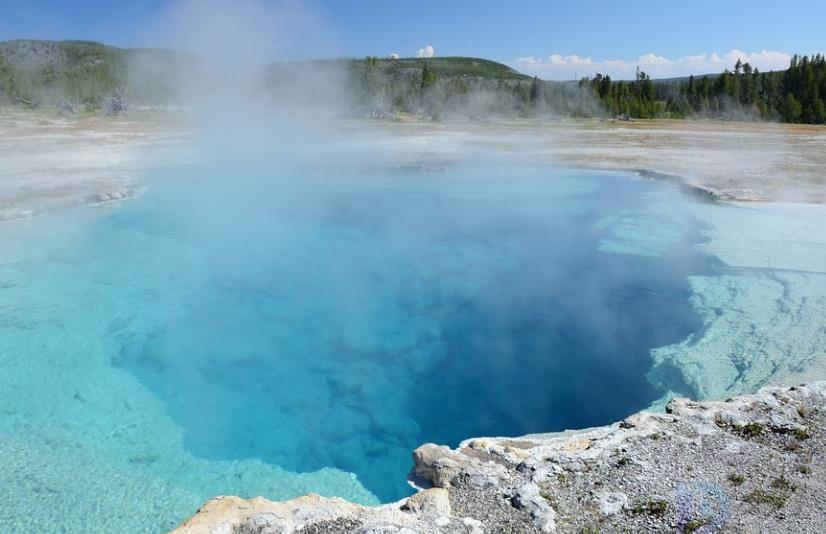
[{"x": 750, "y": 464}]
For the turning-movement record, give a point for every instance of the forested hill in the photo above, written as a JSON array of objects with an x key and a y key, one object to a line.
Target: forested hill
[
  {"x": 447, "y": 66},
  {"x": 80, "y": 75},
  {"x": 83, "y": 73},
  {"x": 433, "y": 87}
]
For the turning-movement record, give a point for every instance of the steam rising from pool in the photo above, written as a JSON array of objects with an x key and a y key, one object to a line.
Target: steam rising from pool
[{"x": 330, "y": 315}]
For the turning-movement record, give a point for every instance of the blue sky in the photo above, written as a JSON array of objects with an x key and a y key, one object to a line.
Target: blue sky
[{"x": 553, "y": 39}]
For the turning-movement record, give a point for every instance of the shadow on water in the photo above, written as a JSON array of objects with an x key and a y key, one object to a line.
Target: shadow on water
[{"x": 346, "y": 327}]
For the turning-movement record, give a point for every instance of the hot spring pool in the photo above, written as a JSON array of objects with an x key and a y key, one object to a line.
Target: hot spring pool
[{"x": 264, "y": 337}]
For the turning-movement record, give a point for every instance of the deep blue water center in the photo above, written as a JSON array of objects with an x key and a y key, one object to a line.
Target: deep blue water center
[{"x": 344, "y": 322}]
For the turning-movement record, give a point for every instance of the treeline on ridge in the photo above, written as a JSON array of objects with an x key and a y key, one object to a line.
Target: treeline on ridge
[{"x": 797, "y": 94}]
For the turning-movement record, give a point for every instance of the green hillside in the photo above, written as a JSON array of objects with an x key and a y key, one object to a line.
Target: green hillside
[
  {"x": 383, "y": 86},
  {"x": 452, "y": 66},
  {"x": 83, "y": 73}
]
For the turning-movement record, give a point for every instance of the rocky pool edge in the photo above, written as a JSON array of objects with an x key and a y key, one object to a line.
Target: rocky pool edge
[{"x": 753, "y": 462}]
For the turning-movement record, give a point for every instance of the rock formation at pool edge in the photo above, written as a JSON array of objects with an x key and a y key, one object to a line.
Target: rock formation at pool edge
[{"x": 752, "y": 463}]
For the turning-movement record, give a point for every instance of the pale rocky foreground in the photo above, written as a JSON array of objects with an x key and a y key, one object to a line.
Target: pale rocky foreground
[{"x": 751, "y": 464}]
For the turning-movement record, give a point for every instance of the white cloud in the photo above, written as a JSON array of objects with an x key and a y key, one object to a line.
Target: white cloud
[
  {"x": 394, "y": 56},
  {"x": 554, "y": 60},
  {"x": 653, "y": 59},
  {"x": 558, "y": 67},
  {"x": 427, "y": 51}
]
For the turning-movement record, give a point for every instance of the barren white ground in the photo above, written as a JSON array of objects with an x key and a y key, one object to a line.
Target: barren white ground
[{"x": 47, "y": 162}]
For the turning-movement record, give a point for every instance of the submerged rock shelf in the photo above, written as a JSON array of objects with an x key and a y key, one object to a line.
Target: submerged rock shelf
[{"x": 752, "y": 463}]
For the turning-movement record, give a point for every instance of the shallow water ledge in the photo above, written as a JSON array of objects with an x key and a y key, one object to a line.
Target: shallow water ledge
[{"x": 752, "y": 463}]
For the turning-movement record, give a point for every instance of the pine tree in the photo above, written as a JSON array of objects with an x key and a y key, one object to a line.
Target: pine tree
[
  {"x": 792, "y": 110},
  {"x": 428, "y": 76},
  {"x": 535, "y": 91},
  {"x": 819, "y": 112}
]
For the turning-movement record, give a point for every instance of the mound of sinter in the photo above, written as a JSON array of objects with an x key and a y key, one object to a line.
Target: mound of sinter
[{"x": 753, "y": 463}]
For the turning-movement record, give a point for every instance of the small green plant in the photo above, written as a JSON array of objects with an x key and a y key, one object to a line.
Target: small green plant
[
  {"x": 775, "y": 499},
  {"x": 563, "y": 479},
  {"x": 782, "y": 484},
  {"x": 805, "y": 469},
  {"x": 802, "y": 434},
  {"x": 547, "y": 493},
  {"x": 694, "y": 525},
  {"x": 622, "y": 462},
  {"x": 736, "y": 479},
  {"x": 752, "y": 430},
  {"x": 655, "y": 507}
]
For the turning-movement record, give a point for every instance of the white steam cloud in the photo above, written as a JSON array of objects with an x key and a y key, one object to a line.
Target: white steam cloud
[
  {"x": 231, "y": 50},
  {"x": 241, "y": 32},
  {"x": 427, "y": 51},
  {"x": 559, "y": 67}
]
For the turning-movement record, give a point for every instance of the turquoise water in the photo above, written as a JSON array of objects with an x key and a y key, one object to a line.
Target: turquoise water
[{"x": 256, "y": 333}]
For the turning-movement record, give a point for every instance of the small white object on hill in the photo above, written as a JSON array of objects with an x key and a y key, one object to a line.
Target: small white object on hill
[{"x": 427, "y": 51}]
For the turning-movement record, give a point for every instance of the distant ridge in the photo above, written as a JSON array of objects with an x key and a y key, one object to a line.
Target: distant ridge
[
  {"x": 38, "y": 72},
  {"x": 456, "y": 66},
  {"x": 85, "y": 75}
]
